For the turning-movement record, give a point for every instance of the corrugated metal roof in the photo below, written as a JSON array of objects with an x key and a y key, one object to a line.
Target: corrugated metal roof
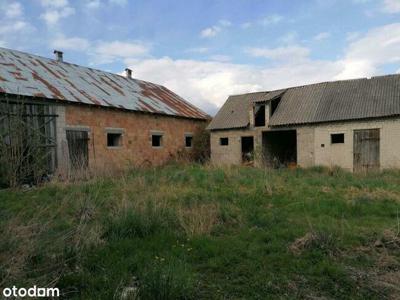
[
  {"x": 31, "y": 75},
  {"x": 322, "y": 102},
  {"x": 339, "y": 101}
]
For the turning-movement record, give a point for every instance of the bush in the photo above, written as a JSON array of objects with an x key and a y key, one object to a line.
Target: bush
[{"x": 201, "y": 146}]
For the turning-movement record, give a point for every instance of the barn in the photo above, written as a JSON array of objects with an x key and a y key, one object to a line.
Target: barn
[
  {"x": 82, "y": 117},
  {"x": 353, "y": 124}
]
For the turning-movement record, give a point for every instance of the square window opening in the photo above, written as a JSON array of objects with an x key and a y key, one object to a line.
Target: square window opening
[
  {"x": 337, "y": 138},
  {"x": 114, "y": 139},
  {"x": 156, "y": 140},
  {"x": 224, "y": 141},
  {"x": 188, "y": 141}
]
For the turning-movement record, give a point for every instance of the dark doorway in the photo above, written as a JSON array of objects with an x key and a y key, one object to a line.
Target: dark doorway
[
  {"x": 280, "y": 148},
  {"x": 366, "y": 150},
  {"x": 247, "y": 149},
  {"x": 78, "y": 148}
]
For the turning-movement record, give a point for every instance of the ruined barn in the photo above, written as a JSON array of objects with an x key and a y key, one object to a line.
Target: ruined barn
[
  {"x": 80, "y": 117},
  {"x": 353, "y": 124}
]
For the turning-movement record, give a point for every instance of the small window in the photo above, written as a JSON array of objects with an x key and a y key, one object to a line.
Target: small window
[
  {"x": 188, "y": 141},
  {"x": 224, "y": 141},
  {"x": 337, "y": 138},
  {"x": 114, "y": 139},
  {"x": 156, "y": 140},
  {"x": 259, "y": 115}
]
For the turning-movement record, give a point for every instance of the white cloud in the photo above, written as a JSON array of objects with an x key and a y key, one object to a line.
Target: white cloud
[
  {"x": 119, "y": 2},
  {"x": 210, "y": 32},
  {"x": 93, "y": 4},
  {"x": 246, "y": 25},
  {"x": 54, "y": 3},
  {"x": 289, "y": 38},
  {"x": 14, "y": 10},
  {"x": 56, "y": 10},
  {"x": 220, "y": 57},
  {"x": 208, "y": 84},
  {"x": 351, "y": 36},
  {"x": 391, "y": 6},
  {"x": 72, "y": 43},
  {"x": 366, "y": 55},
  {"x": 284, "y": 54},
  {"x": 13, "y": 26},
  {"x": 198, "y": 50},
  {"x": 214, "y": 30},
  {"x": 51, "y": 17},
  {"x": 322, "y": 36},
  {"x": 271, "y": 19},
  {"x": 107, "y": 52},
  {"x": 10, "y": 28}
]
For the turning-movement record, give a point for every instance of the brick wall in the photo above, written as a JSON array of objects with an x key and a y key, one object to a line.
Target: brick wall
[{"x": 136, "y": 147}]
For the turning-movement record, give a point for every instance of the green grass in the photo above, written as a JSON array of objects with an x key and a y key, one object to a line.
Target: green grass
[{"x": 194, "y": 232}]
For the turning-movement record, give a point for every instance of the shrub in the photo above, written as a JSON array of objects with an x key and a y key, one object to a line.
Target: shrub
[{"x": 201, "y": 146}]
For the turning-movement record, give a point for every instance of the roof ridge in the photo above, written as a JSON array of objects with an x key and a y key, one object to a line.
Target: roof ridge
[{"x": 320, "y": 83}]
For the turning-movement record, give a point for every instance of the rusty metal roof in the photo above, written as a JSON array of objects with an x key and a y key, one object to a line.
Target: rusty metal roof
[
  {"x": 30, "y": 75},
  {"x": 356, "y": 99}
]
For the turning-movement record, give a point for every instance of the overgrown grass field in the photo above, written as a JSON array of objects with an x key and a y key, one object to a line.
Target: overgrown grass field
[{"x": 195, "y": 232}]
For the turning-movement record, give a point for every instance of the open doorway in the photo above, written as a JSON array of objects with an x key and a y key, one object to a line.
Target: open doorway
[
  {"x": 247, "y": 149},
  {"x": 280, "y": 148}
]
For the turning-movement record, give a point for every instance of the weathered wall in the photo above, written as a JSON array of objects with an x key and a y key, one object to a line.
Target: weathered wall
[
  {"x": 309, "y": 140},
  {"x": 305, "y": 147},
  {"x": 136, "y": 148},
  {"x": 342, "y": 154},
  {"x": 231, "y": 154}
]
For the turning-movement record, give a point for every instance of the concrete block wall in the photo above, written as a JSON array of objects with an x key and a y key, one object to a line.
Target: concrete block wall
[
  {"x": 231, "y": 154},
  {"x": 305, "y": 147},
  {"x": 342, "y": 154},
  {"x": 136, "y": 148}
]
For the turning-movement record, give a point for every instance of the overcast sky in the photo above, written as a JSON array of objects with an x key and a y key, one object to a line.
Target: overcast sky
[{"x": 207, "y": 50}]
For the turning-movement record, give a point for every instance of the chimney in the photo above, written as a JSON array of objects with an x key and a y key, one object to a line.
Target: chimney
[
  {"x": 59, "y": 55},
  {"x": 128, "y": 73}
]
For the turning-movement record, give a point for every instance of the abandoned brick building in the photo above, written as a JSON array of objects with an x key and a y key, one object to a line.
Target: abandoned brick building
[
  {"x": 353, "y": 124},
  {"x": 89, "y": 117}
]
